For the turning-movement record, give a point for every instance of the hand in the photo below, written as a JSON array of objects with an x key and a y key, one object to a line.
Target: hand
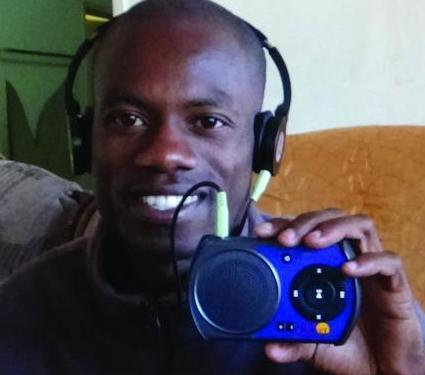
[{"x": 387, "y": 338}]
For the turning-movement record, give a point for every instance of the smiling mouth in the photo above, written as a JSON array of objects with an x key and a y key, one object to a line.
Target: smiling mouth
[
  {"x": 158, "y": 207},
  {"x": 167, "y": 202}
]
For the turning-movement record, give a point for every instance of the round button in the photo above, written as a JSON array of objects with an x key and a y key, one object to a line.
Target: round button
[
  {"x": 318, "y": 292},
  {"x": 323, "y": 328}
]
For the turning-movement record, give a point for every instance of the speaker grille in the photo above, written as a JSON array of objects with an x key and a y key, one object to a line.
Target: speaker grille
[{"x": 237, "y": 291}]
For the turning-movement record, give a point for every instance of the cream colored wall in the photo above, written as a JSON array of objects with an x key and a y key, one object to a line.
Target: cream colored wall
[
  {"x": 119, "y": 6},
  {"x": 351, "y": 62}
]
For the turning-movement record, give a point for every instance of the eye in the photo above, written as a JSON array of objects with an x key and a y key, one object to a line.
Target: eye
[
  {"x": 209, "y": 122},
  {"x": 128, "y": 120}
]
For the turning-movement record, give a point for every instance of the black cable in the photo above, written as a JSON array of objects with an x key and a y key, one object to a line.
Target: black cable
[
  {"x": 171, "y": 355},
  {"x": 173, "y": 234},
  {"x": 238, "y": 229}
]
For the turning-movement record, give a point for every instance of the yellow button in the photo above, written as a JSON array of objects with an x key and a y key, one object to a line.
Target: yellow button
[{"x": 323, "y": 328}]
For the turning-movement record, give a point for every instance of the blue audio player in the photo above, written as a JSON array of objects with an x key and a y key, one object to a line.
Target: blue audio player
[{"x": 247, "y": 288}]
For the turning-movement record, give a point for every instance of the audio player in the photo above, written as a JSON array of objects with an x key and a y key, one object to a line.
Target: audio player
[{"x": 248, "y": 288}]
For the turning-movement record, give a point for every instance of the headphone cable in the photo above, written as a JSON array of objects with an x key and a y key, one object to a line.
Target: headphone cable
[
  {"x": 195, "y": 187},
  {"x": 168, "y": 369}
]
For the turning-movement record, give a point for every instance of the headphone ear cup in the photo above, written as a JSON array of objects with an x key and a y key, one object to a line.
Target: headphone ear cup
[
  {"x": 260, "y": 123},
  {"x": 81, "y": 128},
  {"x": 269, "y": 145}
]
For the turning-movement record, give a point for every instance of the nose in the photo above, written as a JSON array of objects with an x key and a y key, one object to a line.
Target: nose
[{"x": 167, "y": 149}]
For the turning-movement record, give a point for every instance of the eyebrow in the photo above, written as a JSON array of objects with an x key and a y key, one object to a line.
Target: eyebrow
[
  {"x": 216, "y": 98},
  {"x": 122, "y": 98}
]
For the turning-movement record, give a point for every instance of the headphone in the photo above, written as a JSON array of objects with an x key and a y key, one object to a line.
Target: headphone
[{"x": 269, "y": 127}]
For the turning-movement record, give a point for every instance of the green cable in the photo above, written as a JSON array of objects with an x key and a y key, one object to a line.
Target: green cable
[
  {"x": 222, "y": 208},
  {"x": 222, "y": 217},
  {"x": 260, "y": 186}
]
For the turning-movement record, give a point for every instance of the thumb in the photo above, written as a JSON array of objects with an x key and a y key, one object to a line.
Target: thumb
[{"x": 285, "y": 352}]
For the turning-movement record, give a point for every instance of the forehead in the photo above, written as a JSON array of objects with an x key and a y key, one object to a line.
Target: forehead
[
  {"x": 179, "y": 37},
  {"x": 174, "y": 52}
]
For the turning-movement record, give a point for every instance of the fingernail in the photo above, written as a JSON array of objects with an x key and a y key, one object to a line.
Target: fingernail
[
  {"x": 352, "y": 265},
  {"x": 289, "y": 235},
  {"x": 266, "y": 228},
  {"x": 276, "y": 351},
  {"x": 315, "y": 234}
]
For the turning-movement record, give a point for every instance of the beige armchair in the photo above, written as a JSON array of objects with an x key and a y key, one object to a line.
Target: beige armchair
[{"x": 379, "y": 171}]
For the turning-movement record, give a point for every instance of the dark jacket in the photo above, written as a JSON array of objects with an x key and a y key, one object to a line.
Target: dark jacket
[{"x": 58, "y": 315}]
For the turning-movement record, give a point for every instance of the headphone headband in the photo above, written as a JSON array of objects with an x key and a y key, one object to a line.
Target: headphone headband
[
  {"x": 72, "y": 105},
  {"x": 269, "y": 128},
  {"x": 282, "y": 109}
]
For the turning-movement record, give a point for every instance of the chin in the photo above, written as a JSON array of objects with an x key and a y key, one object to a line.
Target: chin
[{"x": 154, "y": 242}]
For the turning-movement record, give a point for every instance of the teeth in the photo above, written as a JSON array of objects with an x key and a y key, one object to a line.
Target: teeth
[{"x": 167, "y": 202}]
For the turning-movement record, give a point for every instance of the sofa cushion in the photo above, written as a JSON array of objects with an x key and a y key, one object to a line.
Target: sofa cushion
[
  {"x": 37, "y": 210},
  {"x": 376, "y": 170}
]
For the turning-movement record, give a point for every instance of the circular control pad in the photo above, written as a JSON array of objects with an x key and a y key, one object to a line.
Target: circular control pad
[{"x": 318, "y": 292}]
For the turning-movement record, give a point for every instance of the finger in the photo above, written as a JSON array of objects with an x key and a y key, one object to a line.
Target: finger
[
  {"x": 271, "y": 227},
  {"x": 385, "y": 264},
  {"x": 358, "y": 227},
  {"x": 305, "y": 223},
  {"x": 285, "y": 352},
  {"x": 385, "y": 284}
]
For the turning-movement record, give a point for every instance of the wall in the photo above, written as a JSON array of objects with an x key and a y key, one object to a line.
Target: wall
[
  {"x": 37, "y": 43},
  {"x": 351, "y": 62}
]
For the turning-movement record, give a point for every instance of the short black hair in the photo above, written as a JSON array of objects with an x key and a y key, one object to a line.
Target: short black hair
[{"x": 206, "y": 10}]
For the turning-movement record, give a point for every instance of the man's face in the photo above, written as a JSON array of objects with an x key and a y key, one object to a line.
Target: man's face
[{"x": 174, "y": 105}]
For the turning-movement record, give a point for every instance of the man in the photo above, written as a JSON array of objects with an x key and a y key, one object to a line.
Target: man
[{"x": 177, "y": 84}]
